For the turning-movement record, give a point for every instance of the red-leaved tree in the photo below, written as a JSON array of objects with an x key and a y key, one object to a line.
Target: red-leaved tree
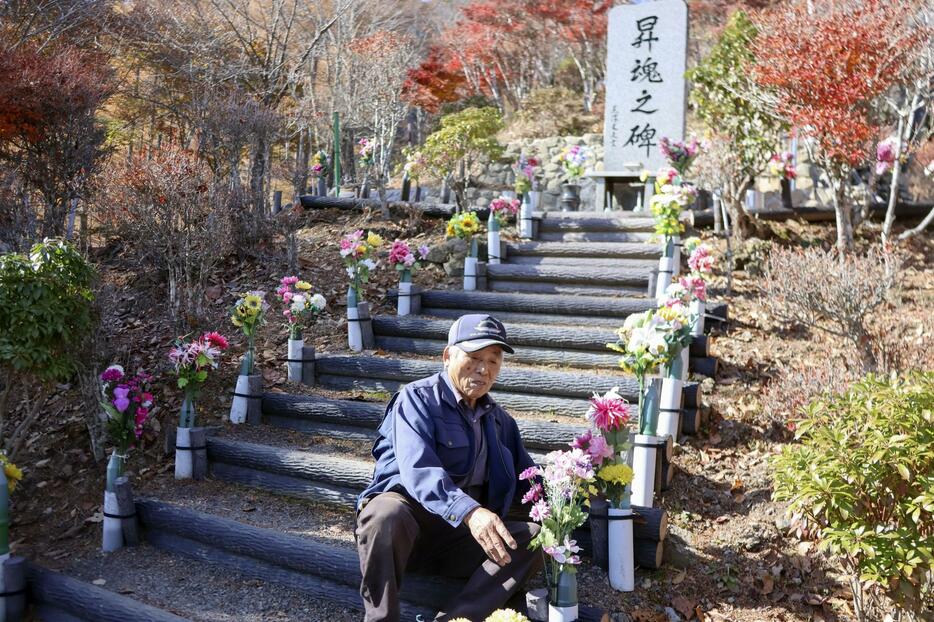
[
  {"x": 827, "y": 61},
  {"x": 49, "y": 134}
]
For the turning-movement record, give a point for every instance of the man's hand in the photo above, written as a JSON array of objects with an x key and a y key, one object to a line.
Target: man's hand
[{"x": 487, "y": 529}]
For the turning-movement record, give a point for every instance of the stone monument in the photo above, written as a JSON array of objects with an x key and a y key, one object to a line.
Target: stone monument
[{"x": 645, "y": 86}]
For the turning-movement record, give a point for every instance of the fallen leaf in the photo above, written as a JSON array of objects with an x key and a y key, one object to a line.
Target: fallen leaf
[
  {"x": 679, "y": 577},
  {"x": 767, "y": 585},
  {"x": 700, "y": 614},
  {"x": 684, "y": 606},
  {"x": 737, "y": 485}
]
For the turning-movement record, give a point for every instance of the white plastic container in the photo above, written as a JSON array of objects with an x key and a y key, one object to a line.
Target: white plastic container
[
  {"x": 665, "y": 271},
  {"x": 698, "y": 308},
  {"x": 470, "y": 274},
  {"x": 295, "y": 360},
  {"x": 669, "y": 411},
  {"x": 113, "y": 529},
  {"x": 239, "y": 405},
  {"x": 183, "y": 456},
  {"x": 621, "y": 565},
  {"x": 644, "y": 455},
  {"x": 354, "y": 332}
]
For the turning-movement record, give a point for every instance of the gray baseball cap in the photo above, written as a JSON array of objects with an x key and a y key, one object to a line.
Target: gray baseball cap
[{"x": 477, "y": 331}]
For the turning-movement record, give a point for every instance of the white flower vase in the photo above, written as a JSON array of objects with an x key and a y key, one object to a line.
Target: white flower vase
[
  {"x": 405, "y": 298},
  {"x": 697, "y": 309},
  {"x": 295, "y": 360},
  {"x": 525, "y": 214},
  {"x": 621, "y": 565},
  {"x": 240, "y": 404},
  {"x": 354, "y": 330},
  {"x": 183, "y": 453},
  {"x": 470, "y": 274},
  {"x": 562, "y": 606},
  {"x": 644, "y": 455},
  {"x": 669, "y": 411},
  {"x": 685, "y": 361},
  {"x": 492, "y": 241},
  {"x": 665, "y": 272},
  {"x": 113, "y": 528},
  {"x": 3, "y": 599}
]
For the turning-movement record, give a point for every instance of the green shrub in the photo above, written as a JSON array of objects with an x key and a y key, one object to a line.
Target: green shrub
[
  {"x": 863, "y": 479},
  {"x": 47, "y": 314}
]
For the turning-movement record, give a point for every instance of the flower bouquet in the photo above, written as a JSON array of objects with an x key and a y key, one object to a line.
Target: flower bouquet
[
  {"x": 782, "y": 165},
  {"x": 247, "y": 314},
  {"x": 193, "y": 360},
  {"x": 301, "y": 307},
  {"x": 557, "y": 494},
  {"x": 466, "y": 226},
  {"x": 524, "y": 171},
  {"x": 500, "y": 615},
  {"x": 500, "y": 211},
  {"x": 666, "y": 205},
  {"x": 646, "y": 342},
  {"x": 358, "y": 252},
  {"x": 320, "y": 163},
  {"x": 680, "y": 155},
  {"x": 574, "y": 160},
  {"x": 404, "y": 261},
  {"x": 610, "y": 414},
  {"x": 10, "y": 475},
  {"x": 127, "y": 402},
  {"x": 701, "y": 263},
  {"x": 674, "y": 311}
]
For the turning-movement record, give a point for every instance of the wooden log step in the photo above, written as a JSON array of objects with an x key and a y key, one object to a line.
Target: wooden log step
[
  {"x": 603, "y": 263},
  {"x": 591, "y": 223},
  {"x": 580, "y": 338},
  {"x": 578, "y": 275},
  {"x": 595, "y": 236},
  {"x": 593, "y": 250},
  {"x": 530, "y": 318},
  {"x": 434, "y": 210},
  {"x": 690, "y": 421},
  {"x": 330, "y": 571},
  {"x": 491, "y": 302},
  {"x": 538, "y": 287},
  {"x": 524, "y": 381},
  {"x": 648, "y": 553},
  {"x": 705, "y": 366},
  {"x": 524, "y": 354},
  {"x": 308, "y": 413},
  {"x": 72, "y": 599}
]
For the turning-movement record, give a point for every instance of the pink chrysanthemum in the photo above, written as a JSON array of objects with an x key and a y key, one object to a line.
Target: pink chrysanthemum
[{"x": 608, "y": 412}]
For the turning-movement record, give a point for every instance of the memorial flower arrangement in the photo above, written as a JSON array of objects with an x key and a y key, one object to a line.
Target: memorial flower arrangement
[
  {"x": 680, "y": 155},
  {"x": 502, "y": 208},
  {"x": 782, "y": 165},
  {"x": 366, "y": 150},
  {"x": 403, "y": 260},
  {"x": 524, "y": 171},
  {"x": 301, "y": 306},
  {"x": 193, "y": 360},
  {"x": 666, "y": 205},
  {"x": 415, "y": 163},
  {"x": 695, "y": 286},
  {"x": 559, "y": 490},
  {"x": 701, "y": 261},
  {"x": 465, "y": 226},
  {"x": 885, "y": 156},
  {"x": 319, "y": 164},
  {"x": 500, "y": 615},
  {"x": 358, "y": 252},
  {"x": 574, "y": 160},
  {"x": 128, "y": 403},
  {"x": 248, "y": 314},
  {"x": 610, "y": 414}
]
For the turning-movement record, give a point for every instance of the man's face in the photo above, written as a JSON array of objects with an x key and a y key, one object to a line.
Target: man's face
[{"x": 473, "y": 373}]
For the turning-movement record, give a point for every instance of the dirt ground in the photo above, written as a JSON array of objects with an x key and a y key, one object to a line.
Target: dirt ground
[{"x": 732, "y": 551}]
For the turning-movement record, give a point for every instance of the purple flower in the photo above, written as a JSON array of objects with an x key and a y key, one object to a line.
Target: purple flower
[
  {"x": 423, "y": 250},
  {"x": 121, "y": 401},
  {"x": 540, "y": 511},
  {"x": 112, "y": 374},
  {"x": 529, "y": 473},
  {"x": 534, "y": 494}
]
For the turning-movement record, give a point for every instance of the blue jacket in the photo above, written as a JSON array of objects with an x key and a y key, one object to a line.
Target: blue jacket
[{"x": 425, "y": 444}]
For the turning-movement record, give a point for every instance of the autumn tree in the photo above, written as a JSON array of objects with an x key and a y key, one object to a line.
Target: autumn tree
[
  {"x": 725, "y": 96},
  {"x": 826, "y": 63},
  {"x": 53, "y": 144}
]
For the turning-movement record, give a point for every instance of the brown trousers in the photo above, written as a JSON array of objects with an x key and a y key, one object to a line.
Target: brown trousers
[{"x": 396, "y": 534}]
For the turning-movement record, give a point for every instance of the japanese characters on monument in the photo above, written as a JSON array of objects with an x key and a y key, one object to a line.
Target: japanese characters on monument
[{"x": 645, "y": 85}]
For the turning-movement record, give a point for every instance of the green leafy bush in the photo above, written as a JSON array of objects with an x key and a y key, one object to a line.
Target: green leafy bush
[
  {"x": 47, "y": 314},
  {"x": 863, "y": 478}
]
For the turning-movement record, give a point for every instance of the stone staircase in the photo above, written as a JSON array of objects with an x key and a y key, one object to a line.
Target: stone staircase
[{"x": 561, "y": 298}]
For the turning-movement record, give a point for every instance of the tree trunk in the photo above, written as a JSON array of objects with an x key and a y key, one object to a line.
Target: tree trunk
[
  {"x": 844, "y": 214},
  {"x": 741, "y": 224},
  {"x": 258, "y": 180}
]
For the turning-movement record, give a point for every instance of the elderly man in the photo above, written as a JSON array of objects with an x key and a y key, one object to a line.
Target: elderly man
[{"x": 447, "y": 465}]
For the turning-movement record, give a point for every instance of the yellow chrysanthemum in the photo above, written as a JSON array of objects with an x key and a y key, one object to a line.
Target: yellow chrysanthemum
[
  {"x": 361, "y": 250},
  {"x": 670, "y": 314},
  {"x": 242, "y": 311},
  {"x": 616, "y": 474},
  {"x": 236, "y": 321},
  {"x": 506, "y": 615},
  {"x": 450, "y": 231},
  {"x": 303, "y": 285},
  {"x": 374, "y": 240},
  {"x": 13, "y": 473},
  {"x": 253, "y": 302}
]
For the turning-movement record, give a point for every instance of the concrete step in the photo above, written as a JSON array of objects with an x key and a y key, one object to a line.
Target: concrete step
[
  {"x": 603, "y": 250},
  {"x": 634, "y": 275}
]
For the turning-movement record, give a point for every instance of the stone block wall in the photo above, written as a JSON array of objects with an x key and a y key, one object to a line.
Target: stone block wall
[{"x": 495, "y": 177}]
